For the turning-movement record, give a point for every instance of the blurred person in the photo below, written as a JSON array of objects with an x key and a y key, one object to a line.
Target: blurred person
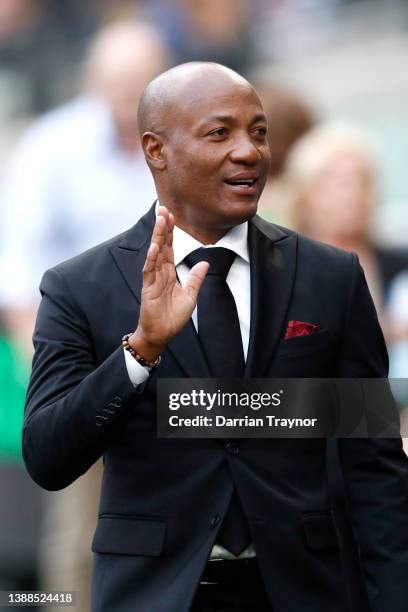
[
  {"x": 289, "y": 118},
  {"x": 330, "y": 181},
  {"x": 77, "y": 175},
  {"x": 332, "y": 174}
]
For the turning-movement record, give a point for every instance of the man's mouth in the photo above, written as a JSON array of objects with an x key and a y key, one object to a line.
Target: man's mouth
[{"x": 243, "y": 184}]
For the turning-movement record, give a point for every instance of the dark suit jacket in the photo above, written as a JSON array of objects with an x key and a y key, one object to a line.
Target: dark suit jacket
[{"x": 162, "y": 499}]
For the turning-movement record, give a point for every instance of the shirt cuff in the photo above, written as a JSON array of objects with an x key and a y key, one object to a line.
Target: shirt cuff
[{"x": 137, "y": 373}]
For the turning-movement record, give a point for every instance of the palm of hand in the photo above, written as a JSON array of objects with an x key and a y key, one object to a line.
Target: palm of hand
[{"x": 166, "y": 306}]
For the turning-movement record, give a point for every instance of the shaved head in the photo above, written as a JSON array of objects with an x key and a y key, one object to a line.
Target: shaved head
[{"x": 176, "y": 87}]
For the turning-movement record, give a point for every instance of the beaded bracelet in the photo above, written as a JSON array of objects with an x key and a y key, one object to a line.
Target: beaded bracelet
[{"x": 143, "y": 362}]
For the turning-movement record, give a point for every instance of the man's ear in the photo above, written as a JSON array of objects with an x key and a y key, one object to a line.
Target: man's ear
[{"x": 153, "y": 149}]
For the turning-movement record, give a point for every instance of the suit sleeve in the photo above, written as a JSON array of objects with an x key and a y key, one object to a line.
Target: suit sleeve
[
  {"x": 72, "y": 406},
  {"x": 375, "y": 470}
]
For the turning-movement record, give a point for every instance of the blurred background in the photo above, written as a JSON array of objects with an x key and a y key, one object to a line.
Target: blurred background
[{"x": 333, "y": 79}]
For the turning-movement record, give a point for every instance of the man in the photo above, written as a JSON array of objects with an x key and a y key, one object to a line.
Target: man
[{"x": 259, "y": 510}]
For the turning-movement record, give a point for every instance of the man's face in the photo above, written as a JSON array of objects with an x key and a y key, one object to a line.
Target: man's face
[{"x": 217, "y": 155}]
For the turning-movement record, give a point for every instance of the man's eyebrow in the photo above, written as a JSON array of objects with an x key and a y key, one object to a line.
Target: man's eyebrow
[
  {"x": 259, "y": 117},
  {"x": 231, "y": 118},
  {"x": 221, "y": 118}
]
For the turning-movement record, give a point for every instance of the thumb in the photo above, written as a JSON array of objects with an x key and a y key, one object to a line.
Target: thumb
[{"x": 196, "y": 278}]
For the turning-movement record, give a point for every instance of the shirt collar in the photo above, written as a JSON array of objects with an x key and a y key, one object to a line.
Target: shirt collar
[{"x": 236, "y": 240}]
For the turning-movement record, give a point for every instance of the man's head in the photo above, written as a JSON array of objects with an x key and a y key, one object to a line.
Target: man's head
[
  {"x": 123, "y": 58},
  {"x": 204, "y": 136}
]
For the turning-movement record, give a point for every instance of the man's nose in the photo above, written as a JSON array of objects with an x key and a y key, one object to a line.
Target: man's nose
[{"x": 245, "y": 151}]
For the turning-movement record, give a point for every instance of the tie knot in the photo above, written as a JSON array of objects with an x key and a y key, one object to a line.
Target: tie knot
[{"x": 220, "y": 259}]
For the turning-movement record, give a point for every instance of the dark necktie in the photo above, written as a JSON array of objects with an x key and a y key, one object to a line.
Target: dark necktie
[
  {"x": 218, "y": 324},
  {"x": 220, "y": 338}
]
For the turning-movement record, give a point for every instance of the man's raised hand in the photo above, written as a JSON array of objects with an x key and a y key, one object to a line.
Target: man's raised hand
[{"x": 165, "y": 306}]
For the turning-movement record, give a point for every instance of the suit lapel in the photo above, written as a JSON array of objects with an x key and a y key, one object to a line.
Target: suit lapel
[
  {"x": 130, "y": 253},
  {"x": 273, "y": 264},
  {"x": 186, "y": 349},
  {"x": 130, "y": 256}
]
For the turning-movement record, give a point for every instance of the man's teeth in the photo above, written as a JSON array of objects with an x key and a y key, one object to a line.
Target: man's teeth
[{"x": 248, "y": 182}]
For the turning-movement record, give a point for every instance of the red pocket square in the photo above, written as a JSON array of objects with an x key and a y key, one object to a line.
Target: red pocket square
[{"x": 300, "y": 328}]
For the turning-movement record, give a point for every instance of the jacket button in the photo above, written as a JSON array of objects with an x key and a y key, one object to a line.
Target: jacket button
[
  {"x": 232, "y": 448},
  {"x": 215, "y": 520}
]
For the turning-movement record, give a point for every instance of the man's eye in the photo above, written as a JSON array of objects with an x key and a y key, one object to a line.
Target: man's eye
[
  {"x": 260, "y": 131},
  {"x": 218, "y": 132}
]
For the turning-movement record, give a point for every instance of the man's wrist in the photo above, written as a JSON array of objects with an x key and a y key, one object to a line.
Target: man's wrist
[{"x": 146, "y": 349}]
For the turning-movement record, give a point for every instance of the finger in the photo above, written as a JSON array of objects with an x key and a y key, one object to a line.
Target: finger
[
  {"x": 163, "y": 212},
  {"x": 159, "y": 232},
  {"x": 196, "y": 278},
  {"x": 149, "y": 269},
  {"x": 169, "y": 253},
  {"x": 159, "y": 261}
]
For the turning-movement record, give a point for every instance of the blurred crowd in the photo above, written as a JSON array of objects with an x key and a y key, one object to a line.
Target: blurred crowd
[{"x": 72, "y": 174}]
